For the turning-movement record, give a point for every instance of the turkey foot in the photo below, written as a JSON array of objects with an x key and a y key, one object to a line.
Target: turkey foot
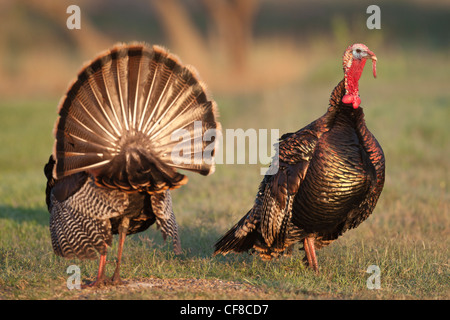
[{"x": 101, "y": 279}]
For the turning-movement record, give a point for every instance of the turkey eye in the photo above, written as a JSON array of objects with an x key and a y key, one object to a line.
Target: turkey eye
[{"x": 357, "y": 53}]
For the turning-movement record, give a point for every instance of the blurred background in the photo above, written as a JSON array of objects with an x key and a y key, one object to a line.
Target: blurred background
[
  {"x": 238, "y": 46},
  {"x": 269, "y": 64}
]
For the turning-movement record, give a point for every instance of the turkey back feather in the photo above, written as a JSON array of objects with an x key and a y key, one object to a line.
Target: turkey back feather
[{"x": 118, "y": 119}]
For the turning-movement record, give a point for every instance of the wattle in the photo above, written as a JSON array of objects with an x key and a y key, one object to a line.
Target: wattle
[{"x": 352, "y": 99}]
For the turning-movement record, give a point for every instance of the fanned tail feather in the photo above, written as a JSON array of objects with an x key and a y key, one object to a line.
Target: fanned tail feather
[{"x": 123, "y": 119}]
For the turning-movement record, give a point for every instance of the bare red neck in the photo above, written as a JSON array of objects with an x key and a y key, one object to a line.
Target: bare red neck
[{"x": 352, "y": 76}]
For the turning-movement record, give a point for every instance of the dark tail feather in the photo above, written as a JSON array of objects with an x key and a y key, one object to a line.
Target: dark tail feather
[
  {"x": 245, "y": 236},
  {"x": 240, "y": 238}
]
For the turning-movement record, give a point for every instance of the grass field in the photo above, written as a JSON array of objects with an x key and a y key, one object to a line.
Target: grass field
[{"x": 407, "y": 108}]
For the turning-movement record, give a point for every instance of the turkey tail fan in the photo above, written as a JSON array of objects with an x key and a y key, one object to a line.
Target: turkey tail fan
[{"x": 123, "y": 117}]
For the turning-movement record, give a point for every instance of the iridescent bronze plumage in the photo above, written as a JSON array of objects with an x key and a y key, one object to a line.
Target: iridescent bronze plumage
[{"x": 330, "y": 176}]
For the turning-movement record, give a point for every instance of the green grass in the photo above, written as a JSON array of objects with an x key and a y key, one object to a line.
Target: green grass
[{"x": 407, "y": 108}]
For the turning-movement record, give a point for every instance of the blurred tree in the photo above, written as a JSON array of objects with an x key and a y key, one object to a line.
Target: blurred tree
[
  {"x": 231, "y": 31},
  {"x": 185, "y": 38},
  {"x": 88, "y": 39},
  {"x": 233, "y": 23}
]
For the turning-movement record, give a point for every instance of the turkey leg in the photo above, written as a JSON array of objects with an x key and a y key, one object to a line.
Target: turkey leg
[
  {"x": 101, "y": 279},
  {"x": 308, "y": 244},
  {"x": 122, "y": 234}
]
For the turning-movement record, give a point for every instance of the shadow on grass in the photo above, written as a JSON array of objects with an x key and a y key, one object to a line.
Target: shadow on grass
[
  {"x": 197, "y": 240},
  {"x": 20, "y": 215}
]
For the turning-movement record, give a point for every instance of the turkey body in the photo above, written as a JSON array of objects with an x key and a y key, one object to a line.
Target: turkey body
[
  {"x": 339, "y": 180},
  {"x": 116, "y": 159},
  {"x": 84, "y": 216},
  {"x": 329, "y": 178}
]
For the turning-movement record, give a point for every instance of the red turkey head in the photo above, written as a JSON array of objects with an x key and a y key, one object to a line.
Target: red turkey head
[{"x": 354, "y": 60}]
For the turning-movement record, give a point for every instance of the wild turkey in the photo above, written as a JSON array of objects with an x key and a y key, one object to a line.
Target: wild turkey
[
  {"x": 330, "y": 176},
  {"x": 118, "y": 148}
]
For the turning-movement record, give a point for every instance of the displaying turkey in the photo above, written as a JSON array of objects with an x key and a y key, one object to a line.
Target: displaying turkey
[
  {"x": 118, "y": 150},
  {"x": 330, "y": 176}
]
